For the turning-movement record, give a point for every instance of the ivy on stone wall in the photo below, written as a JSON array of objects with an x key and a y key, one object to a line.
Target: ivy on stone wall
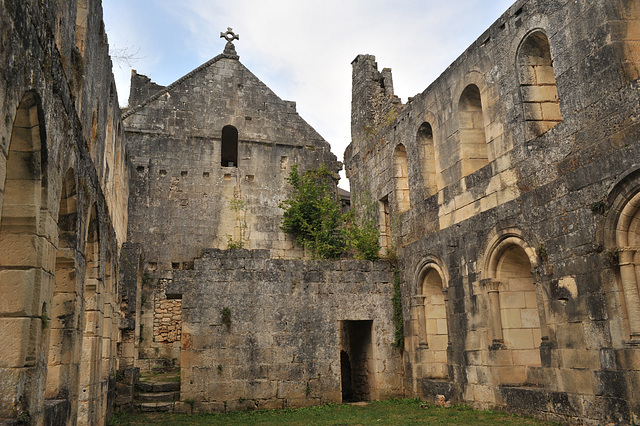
[{"x": 313, "y": 214}]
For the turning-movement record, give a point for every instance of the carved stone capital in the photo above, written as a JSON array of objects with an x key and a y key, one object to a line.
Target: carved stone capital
[
  {"x": 490, "y": 285},
  {"x": 418, "y": 299}
]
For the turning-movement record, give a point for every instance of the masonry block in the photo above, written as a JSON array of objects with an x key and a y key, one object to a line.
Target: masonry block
[{"x": 14, "y": 341}]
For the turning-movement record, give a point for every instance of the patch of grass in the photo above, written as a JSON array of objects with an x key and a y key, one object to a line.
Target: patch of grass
[
  {"x": 393, "y": 412},
  {"x": 171, "y": 376}
]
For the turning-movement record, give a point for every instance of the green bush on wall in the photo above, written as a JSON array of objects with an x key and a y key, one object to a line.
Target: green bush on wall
[{"x": 313, "y": 215}]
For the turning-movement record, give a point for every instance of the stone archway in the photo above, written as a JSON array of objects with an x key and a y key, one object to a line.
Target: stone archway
[
  {"x": 433, "y": 330},
  {"x": 518, "y": 321}
]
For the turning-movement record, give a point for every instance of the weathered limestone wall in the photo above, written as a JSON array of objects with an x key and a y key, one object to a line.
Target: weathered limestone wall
[
  {"x": 184, "y": 199},
  {"x": 63, "y": 215},
  {"x": 279, "y": 343},
  {"x": 509, "y": 188}
]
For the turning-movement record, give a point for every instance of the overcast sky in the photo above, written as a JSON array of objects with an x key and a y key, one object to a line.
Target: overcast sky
[{"x": 301, "y": 49}]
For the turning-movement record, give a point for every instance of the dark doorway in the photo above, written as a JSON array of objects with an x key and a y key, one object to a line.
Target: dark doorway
[
  {"x": 356, "y": 360},
  {"x": 229, "y": 156},
  {"x": 345, "y": 373}
]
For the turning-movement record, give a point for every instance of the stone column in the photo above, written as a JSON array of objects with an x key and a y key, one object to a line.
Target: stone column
[
  {"x": 422, "y": 323},
  {"x": 448, "y": 314},
  {"x": 628, "y": 275},
  {"x": 493, "y": 290}
]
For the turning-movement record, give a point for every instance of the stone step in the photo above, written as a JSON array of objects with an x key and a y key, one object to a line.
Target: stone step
[
  {"x": 158, "y": 396},
  {"x": 150, "y": 364},
  {"x": 148, "y": 387},
  {"x": 148, "y": 407}
]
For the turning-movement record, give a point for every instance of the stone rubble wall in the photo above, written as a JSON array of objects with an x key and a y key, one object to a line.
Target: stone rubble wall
[{"x": 167, "y": 317}]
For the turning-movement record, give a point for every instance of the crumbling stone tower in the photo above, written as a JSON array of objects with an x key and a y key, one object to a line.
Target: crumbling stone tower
[{"x": 507, "y": 188}]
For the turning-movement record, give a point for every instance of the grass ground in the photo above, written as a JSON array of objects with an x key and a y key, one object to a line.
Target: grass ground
[{"x": 396, "y": 412}]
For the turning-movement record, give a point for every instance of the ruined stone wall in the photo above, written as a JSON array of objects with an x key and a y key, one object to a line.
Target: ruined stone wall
[
  {"x": 63, "y": 216},
  {"x": 183, "y": 198},
  {"x": 509, "y": 186},
  {"x": 266, "y": 333}
]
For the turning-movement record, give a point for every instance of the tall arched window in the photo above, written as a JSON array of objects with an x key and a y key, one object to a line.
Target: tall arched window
[
  {"x": 21, "y": 264},
  {"x": 90, "y": 365},
  {"x": 624, "y": 239},
  {"x": 517, "y": 314},
  {"x": 519, "y": 307},
  {"x": 229, "y": 153},
  {"x": 401, "y": 178},
  {"x": 473, "y": 142},
  {"x": 538, "y": 84},
  {"x": 65, "y": 297},
  {"x": 432, "y": 318},
  {"x": 425, "y": 141}
]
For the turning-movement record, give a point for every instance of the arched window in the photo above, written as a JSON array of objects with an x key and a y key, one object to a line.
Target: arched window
[
  {"x": 624, "y": 241},
  {"x": 432, "y": 322},
  {"x": 65, "y": 297},
  {"x": 473, "y": 142},
  {"x": 425, "y": 141},
  {"x": 108, "y": 328},
  {"x": 516, "y": 314},
  {"x": 401, "y": 178},
  {"x": 538, "y": 84},
  {"x": 21, "y": 244},
  {"x": 229, "y": 154},
  {"x": 519, "y": 307},
  {"x": 90, "y": 365}
]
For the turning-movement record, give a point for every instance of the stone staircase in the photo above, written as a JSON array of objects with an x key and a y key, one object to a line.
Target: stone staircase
[
  {"x": 157, "y": 390},
  {"x": 155, "y": 396}
]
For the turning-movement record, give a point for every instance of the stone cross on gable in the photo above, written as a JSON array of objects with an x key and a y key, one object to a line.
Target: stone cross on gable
[{"x": 229, "y": 35}]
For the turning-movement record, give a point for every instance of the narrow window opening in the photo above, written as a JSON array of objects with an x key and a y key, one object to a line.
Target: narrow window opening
[
  {"x": 473, "y": 141},
  {"x": 401, "y": 177},
  {"x": 384, "y": 223},
  {"x": 425, "y": 141},
  {"x": 229, "y": 155},
  {"x": 538, "y": 85}
]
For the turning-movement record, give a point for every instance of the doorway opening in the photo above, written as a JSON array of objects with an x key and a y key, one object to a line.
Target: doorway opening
[{"x": 356, "y": 360}]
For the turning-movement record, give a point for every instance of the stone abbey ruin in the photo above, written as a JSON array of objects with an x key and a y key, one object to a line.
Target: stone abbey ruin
[{"x": 506, "y": 194}]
